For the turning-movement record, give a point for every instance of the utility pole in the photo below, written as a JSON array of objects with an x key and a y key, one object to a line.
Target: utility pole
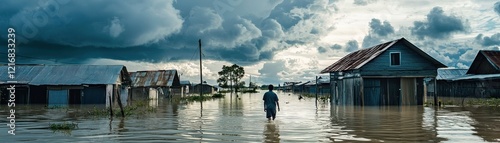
[
  {"x": 201, "y": 71},
  {"x": 316, "y": 91},
  {"x": 250, "y": 83}
]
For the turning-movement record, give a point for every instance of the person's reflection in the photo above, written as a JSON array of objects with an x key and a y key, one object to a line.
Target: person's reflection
[{"x": 271, "y": 132}]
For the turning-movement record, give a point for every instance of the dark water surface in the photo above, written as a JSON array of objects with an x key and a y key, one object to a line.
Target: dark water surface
[{"x": 243, "y": 120}]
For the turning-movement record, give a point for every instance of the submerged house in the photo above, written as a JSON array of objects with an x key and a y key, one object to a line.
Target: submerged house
[
  {"x": 205, "y": 89},
  {"x": 154, "y": 84},
  {"x": 23, "y": 76},
  {"x": 186, "y": 86},
  {"x": 390, "y": 73},
  {"x": 481, "y": 80},
  {"x": 447, "y": 87},
  {"x": 301, "y": 87},
  {"x": 61, "y": 85}
]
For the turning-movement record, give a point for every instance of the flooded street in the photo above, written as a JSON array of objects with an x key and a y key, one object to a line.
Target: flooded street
[{"x": 243, "y": 120}]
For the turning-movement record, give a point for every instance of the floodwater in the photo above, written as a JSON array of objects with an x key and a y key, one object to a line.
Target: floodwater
[{"x": 243, "y": 119}]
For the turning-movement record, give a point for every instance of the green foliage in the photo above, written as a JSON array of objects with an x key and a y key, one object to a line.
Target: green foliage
[
  {"x": 484, "y": 102},
  {"x": 230, "y": 74},
  {"x": 63, "y": 126},
  {"x": 218, "y": 95},
  {"x": 250, "y": 91}
]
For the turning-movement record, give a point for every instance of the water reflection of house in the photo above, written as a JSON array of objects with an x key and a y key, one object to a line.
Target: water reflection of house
[
  {"x": 384, "y": 124},
  {"x": 154, "y": 84},
  {"x": 205, "y": 88},
  {"x": 391, "y": 73},
  {"x": 482, "y": 79},
  {"x": 60, "y": 85}
]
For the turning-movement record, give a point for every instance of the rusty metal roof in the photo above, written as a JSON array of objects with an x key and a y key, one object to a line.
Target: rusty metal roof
[
  {"x": 490, "y": 56},
  {"x": 68, "y": 74},
  {"x": 493, "y": 57},
  {"x": 159, "y": 78},
  {"x": 357, "y": 59},
  {"x": 361, "y": 57}
]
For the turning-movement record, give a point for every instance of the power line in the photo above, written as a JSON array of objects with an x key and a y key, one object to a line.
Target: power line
[
  {"x": 194, "y": 53},
  {"x": 29, "y": 57}
]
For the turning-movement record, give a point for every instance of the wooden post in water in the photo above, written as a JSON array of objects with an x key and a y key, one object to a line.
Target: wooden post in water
[
  {"x": 120, "y": 102},
  {"x": 435, "y": 94},
  {"x": 110, "y": 108}
]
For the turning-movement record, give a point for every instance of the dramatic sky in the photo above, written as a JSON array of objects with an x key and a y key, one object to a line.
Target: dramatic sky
[{"x": 274, "y": 40}]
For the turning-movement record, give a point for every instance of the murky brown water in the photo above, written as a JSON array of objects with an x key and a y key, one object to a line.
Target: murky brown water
[{"x": 242, "y": 120}]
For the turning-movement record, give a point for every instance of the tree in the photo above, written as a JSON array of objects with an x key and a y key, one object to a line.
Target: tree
[
  {"x": 230, "y": 76},
  {"x": 253, "y": 85}
]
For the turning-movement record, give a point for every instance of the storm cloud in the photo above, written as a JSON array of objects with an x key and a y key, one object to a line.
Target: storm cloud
[
  {"x": 98, "y": 24},
  {"x": 336, "y": 47},
  {"x": 322, "y": 49},
  {"x": 438, "y": 25},
  {"x": 378, "y": 33},
  {"x": 379, "y": 28},
  {"x": 493, "y": 40},
  {"x": 351, "y": 46},
  {"x": 241, "y": 32}
]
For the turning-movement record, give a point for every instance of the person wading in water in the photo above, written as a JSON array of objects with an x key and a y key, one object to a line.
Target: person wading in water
[{"x": 270, "y": 102}]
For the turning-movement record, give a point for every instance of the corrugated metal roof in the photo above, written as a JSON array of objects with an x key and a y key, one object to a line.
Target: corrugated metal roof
[
  {"x": 303, "y": 83},
  {"x": 160, "y": 78},
  {"x": 448, "y": 74},
  {"x": 23, "y": 74},
  {"x": 478, "y": 77},
  {"x": 78, "y": 74},
  {"x": 358, "y": 59},
  {"x": 67, "y": 74}
]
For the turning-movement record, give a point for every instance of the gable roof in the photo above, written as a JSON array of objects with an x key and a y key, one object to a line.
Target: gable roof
[
  {"x": 159, "y": 78},
  {"x": 67, "y": 74},
  {"x": 358, "y": 59},
  {"x": 490, "y": 57}
]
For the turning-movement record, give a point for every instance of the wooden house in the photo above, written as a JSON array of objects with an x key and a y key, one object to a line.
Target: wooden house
[
  {"x": 186, "y": 86},
  {"x": 390, "y": 73},
  {"x": 205, "y": 89},
  {"x": 61, "y": 85},
  {"x": 447, "y": 87},
  {"x": 481, "y": 80},
  {"x": 154, "y": 84}
]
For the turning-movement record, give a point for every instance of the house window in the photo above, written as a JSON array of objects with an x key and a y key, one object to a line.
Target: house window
[{"x": 395, "y": 59}]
